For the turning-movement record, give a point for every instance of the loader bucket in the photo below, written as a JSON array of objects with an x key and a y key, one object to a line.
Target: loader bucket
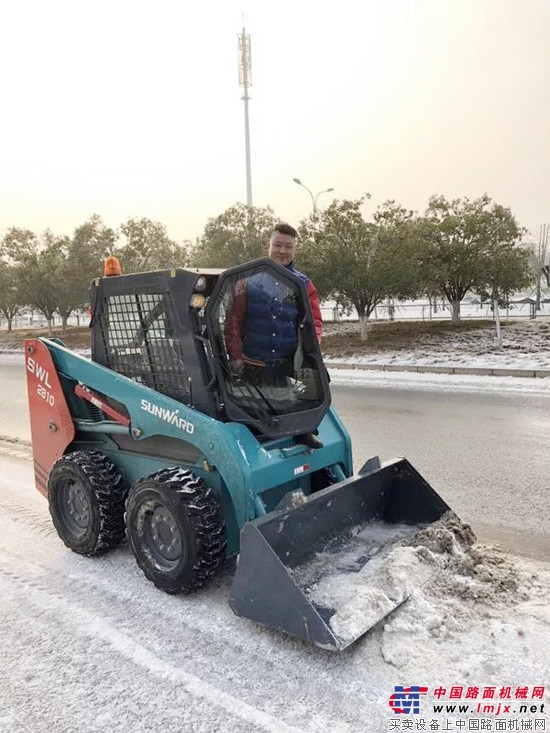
[{"x": 332, "y": 565}]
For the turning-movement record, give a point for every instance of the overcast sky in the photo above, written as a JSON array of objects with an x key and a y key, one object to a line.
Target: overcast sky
[{"x": 128, "y": 108}]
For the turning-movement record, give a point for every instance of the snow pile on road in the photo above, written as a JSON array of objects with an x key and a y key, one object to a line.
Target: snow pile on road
[{"x": 483, "y": 605}]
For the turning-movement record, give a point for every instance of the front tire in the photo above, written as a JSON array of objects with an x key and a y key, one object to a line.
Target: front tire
[
  {"x": 86, "y": 495},
  {"x": 176, "y": 530}
]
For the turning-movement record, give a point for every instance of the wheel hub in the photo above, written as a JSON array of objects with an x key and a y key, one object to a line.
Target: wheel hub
[
  {"x": 163, "y": 537},
  {"x": 75, "y": 508}
]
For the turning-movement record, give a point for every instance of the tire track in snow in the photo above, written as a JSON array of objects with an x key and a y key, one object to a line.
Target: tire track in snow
[
  {"x": 199, "y": 633},
  {"x": 24, "y": 515},
  {"x": 88, "y": 624},
  {"x": 15, "y": 448}
]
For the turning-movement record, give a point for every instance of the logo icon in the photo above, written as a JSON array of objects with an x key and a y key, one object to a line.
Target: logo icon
[{"x": 406, "y": 700}]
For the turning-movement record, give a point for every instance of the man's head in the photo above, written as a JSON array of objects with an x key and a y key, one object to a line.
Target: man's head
[{"x": 282, "y": 244}]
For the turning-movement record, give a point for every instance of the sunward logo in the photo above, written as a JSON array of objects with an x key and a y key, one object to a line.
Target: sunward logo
[{"x": 406, "y": 700}]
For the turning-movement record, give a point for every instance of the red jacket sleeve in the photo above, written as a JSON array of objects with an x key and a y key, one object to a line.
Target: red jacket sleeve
[
  {"x": 234, "y": 321},
  {"x": 315, "y": 309}
]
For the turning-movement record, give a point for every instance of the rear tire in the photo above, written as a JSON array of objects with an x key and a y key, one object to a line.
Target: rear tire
[
  {"x": 86, "y": 495},
  {"x": 176, "y": 530}
]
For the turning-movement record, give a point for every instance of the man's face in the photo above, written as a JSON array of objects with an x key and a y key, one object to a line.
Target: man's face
[{"x": 282, "y": 248}]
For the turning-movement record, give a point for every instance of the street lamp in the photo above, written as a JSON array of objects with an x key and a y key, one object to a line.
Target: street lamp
[{"x": 313, "y": 198}]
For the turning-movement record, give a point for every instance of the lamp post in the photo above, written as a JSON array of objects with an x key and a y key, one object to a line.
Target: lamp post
[{"x": 313, "y": 198}]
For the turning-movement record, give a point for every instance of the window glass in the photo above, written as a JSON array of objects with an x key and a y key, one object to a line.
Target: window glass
[{"x": 260, "y": 328}]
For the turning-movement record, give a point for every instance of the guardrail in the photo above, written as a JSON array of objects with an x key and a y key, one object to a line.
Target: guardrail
[{"x": 424, "y": 311}]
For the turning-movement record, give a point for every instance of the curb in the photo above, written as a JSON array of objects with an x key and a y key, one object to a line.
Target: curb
[{"x": 480, "y": 371}]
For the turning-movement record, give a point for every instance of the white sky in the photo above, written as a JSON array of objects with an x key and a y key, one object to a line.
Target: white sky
[{"x": 133, "y": 108}]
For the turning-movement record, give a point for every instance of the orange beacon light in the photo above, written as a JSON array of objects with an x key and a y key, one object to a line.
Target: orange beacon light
[{"x": 112, "y": 266}]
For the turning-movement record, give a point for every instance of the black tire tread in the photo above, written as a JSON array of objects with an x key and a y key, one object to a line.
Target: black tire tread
[
  {"x": 194, "y": 498},
  {"x": 108, "y": 493}
]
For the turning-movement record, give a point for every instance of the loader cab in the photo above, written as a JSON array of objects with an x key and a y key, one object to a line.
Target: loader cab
[
  {"x": 266, "y": 355},
  {"x": 180, "y": 332}
]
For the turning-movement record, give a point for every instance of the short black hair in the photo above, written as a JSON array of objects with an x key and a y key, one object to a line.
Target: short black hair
[{"x": 284, "y": 228}]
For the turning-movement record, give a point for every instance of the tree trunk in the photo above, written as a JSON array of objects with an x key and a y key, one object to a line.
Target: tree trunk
[
  {"x": 455, "y": 311},
  {"x": 50, "y": 326},
  {"x": 364, "y": 321},
  {"x": 64, "y": 324},
  {"x": 496, "y": 311}
]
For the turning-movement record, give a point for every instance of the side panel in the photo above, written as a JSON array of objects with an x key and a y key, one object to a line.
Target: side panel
[{"x": 52, "y": 427}]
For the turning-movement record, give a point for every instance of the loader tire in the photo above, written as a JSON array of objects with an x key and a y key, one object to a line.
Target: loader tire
[
  {"x": 176, "y": 530},
  {"x": 86, "y": 494}
]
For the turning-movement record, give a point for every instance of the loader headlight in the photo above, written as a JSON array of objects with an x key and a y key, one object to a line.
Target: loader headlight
[
  {"x": 200, "y": 285},
  {"x": 197, "y": 300}
]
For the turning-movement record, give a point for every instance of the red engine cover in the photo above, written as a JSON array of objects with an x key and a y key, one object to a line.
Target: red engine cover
[{"x": 52, "y": 427}]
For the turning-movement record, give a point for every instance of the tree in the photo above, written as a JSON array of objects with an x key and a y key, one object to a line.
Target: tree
[
  {"x": 461, "y": 242},
  {"x": 18, "y": 245},
  {"x": 148, "y": 247},
  {"x": 10, "y": 299},
  {"x": 358, "y": 263},
  {"x": 37, "y": 269},
  {"x": 17, "y": 250},
  {"x": 91, "y": 243},
  {"x": 398, "y": 225},
  {"x": 506, "y": 263},
  {"x": 81, "y": 261},
  {"x": 238, "y": 235}
]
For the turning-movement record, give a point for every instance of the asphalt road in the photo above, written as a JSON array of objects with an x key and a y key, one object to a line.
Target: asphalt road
[{"x": 486, "y": 454}]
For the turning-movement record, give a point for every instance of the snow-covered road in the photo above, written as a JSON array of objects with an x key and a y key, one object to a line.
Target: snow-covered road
[{"x": 88, "y": 645}]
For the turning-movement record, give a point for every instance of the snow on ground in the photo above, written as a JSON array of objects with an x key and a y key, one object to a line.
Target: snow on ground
[
  {"x": 449, "y": 382},
  {"x": 526, "y": 345},
  {"x": 90, "y": 645}
]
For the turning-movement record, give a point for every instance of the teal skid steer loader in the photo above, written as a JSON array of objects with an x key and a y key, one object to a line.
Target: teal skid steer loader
[{"x": 157, "y": 438}]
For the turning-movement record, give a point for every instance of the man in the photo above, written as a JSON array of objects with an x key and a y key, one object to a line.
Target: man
[
  {"x": 282, "y": 248},
  {"x": 261, "y": 325}
]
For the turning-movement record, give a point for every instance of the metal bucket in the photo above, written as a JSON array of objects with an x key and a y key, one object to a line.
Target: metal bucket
[{"x": 326, "y": 569}]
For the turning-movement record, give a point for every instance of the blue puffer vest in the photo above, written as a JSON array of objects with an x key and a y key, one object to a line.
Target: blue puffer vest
[{"x": 271, "y": 316}]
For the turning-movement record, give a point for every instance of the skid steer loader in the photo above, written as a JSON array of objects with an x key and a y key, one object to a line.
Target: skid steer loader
[{"x": 158, "y": 439}]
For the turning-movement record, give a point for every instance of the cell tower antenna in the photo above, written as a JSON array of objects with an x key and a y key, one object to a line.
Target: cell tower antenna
[{"x": 245, "y": 81}]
